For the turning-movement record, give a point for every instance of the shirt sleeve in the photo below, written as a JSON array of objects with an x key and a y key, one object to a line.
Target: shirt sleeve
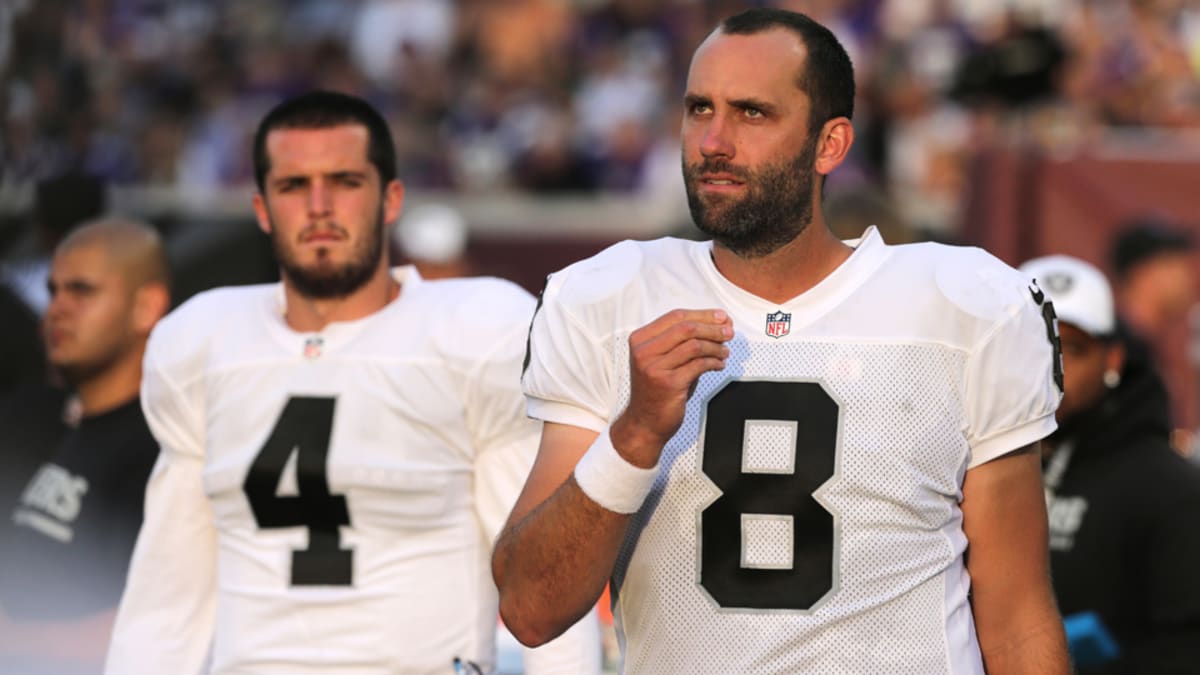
[
  {"x": 165, "y": 619},
  {"x": 568, "y": 374},
  {"x": 504, "y": 438},
  {"x": 506, "y": 442},
  {"x": 1013, "y": 382}
]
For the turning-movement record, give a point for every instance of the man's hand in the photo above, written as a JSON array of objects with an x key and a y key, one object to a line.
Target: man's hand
[{"x": 666, "y": 358}]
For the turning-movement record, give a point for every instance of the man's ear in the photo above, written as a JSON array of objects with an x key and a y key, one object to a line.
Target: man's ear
[
  {"x": 151, "y": 302},
  {"x": 261, "y": 213},
  {"x": 837, "y": 135},
  {"x": 1114, "y": 360},
  {"x": 393, "y": 202}
]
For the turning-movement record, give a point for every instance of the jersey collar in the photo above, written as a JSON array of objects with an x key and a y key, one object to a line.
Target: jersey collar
[
  {"x": 337, "y": 333},
  {"x": 870, "y": 252}
]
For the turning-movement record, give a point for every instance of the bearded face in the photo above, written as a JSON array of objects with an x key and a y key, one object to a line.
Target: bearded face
[
  {"x": 324, "y": 277},
  {"x": 772, "y": 210}
]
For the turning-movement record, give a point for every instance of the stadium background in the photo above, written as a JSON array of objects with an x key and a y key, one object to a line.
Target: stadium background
[{"x": 1026, "y": 126}]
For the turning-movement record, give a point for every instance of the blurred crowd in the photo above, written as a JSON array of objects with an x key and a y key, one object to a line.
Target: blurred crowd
[{"x": 554, "y": 96}]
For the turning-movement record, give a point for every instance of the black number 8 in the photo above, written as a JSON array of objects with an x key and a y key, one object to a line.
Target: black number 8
[{"x": 811, "y": 574}]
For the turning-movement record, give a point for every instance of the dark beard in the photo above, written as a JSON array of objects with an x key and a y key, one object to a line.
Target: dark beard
[
  {"x": 776, "y": 209},
  {"x": 325, "y": 282}
]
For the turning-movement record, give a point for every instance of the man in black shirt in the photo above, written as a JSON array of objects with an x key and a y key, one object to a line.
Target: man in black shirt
[
  {"x": 78, "y": 461},
  {"x": 1123, "y": 506}
]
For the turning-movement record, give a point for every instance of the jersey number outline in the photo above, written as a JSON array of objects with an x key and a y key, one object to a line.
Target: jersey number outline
[
  {"x": 304, "y": 426},
  {"x": 1051, "y": 319},
  {"x": 811, "y": 575}
]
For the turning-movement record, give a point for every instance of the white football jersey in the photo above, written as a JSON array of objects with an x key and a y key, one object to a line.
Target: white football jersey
[
  {"x": 806, "y": 515},
  {"x": 326, "y": 502}
]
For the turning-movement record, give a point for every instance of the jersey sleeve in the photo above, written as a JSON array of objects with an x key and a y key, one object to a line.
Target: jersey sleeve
[
  {"x": 1013, "y": 379},
  {"x": 165, "y": 619},
  {"x": 568, "y": 372},
  {"x": 506, "y": 442},
  {"x": 504, "y": 438}
]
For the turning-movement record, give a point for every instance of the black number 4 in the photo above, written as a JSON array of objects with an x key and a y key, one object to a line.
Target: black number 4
[
  {"x": 811, "y": 573},
  {"x": 304, "y": 426}
]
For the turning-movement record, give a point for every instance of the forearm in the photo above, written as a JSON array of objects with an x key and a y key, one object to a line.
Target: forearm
[
  {"x": 1004, "y": 517},
  {"x": 552, "y": 564},
  {"x": 1038, "y": 647}
]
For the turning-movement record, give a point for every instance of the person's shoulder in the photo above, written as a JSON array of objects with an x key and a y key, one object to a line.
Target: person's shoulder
[
  {"x": 472, "y": 318},
  {"x": 619, "y": 267},
  {"x": 481, "y": 290},
  {"x": 216, "y": 306},
  {"x": 197, "y": 320},
  {"x": 477, "y": 301},
  {"x": 968, "y": 278}
]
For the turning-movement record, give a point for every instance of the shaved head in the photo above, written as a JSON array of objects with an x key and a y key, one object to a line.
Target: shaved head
[
  {"x": 134, "y": 249},
  {"x": 108, "y": 287}
]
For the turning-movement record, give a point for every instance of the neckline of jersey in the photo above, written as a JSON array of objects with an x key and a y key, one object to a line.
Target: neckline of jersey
[
  {"x": 869, "y": 253},
  {"x": 337, "y": 333}
]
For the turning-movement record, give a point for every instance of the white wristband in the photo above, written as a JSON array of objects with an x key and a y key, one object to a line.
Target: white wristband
[{"x": 610, "y": 480}]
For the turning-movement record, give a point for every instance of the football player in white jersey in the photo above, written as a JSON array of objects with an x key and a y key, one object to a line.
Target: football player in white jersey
[
  {"x": 790, "y": 453},
  {"x": 338, "y": 451}
]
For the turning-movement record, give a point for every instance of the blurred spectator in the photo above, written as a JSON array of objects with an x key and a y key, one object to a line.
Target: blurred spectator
[
  {"x": 556, "y": 96},
  {"x": 386, "y": 31},
  {"x": 1155, "y": 276},
  {"x": 1123, "y": 507},
  {"x": 1155, "y": 287},
  {"x": 433, "y": 238},
  {"x": 850, "y": 212},
  {"x": 60, "y": 205},
  {"x": 76, "y": 465}
]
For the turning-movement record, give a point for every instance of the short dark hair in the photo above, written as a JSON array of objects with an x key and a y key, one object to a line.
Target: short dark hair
[
  {"x": 828, "y": 75},
  {"x": 323, "y": 110},
  {"x": 1145, "y": 238}
]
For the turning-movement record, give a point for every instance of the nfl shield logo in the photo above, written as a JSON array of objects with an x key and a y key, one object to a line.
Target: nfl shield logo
[
  {"x": 779, "y": 324},
  {"x": 312, "y": 347}
]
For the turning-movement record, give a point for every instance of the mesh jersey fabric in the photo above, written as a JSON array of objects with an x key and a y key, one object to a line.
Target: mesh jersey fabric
[{"x": 806, "y": 516}]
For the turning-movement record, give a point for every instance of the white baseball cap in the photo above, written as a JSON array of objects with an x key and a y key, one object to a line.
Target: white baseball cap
[{"x": 1080, "y": 292}]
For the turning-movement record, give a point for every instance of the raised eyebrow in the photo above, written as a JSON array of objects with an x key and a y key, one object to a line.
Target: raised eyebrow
[{"x": 757, "y": 104}]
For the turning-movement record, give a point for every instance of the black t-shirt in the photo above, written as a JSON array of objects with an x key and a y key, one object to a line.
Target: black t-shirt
[
  {"x": 31, "y": 428},
  {"x": 71, "y": 530},
  {"x": 1123, "y": 528}
]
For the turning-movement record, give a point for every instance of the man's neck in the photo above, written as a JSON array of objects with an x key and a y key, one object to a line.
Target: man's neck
[
  {"x": 789, "y": 271},
  {"x": 113, "y": 388},
  {"x": 306, "y": 314}
]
